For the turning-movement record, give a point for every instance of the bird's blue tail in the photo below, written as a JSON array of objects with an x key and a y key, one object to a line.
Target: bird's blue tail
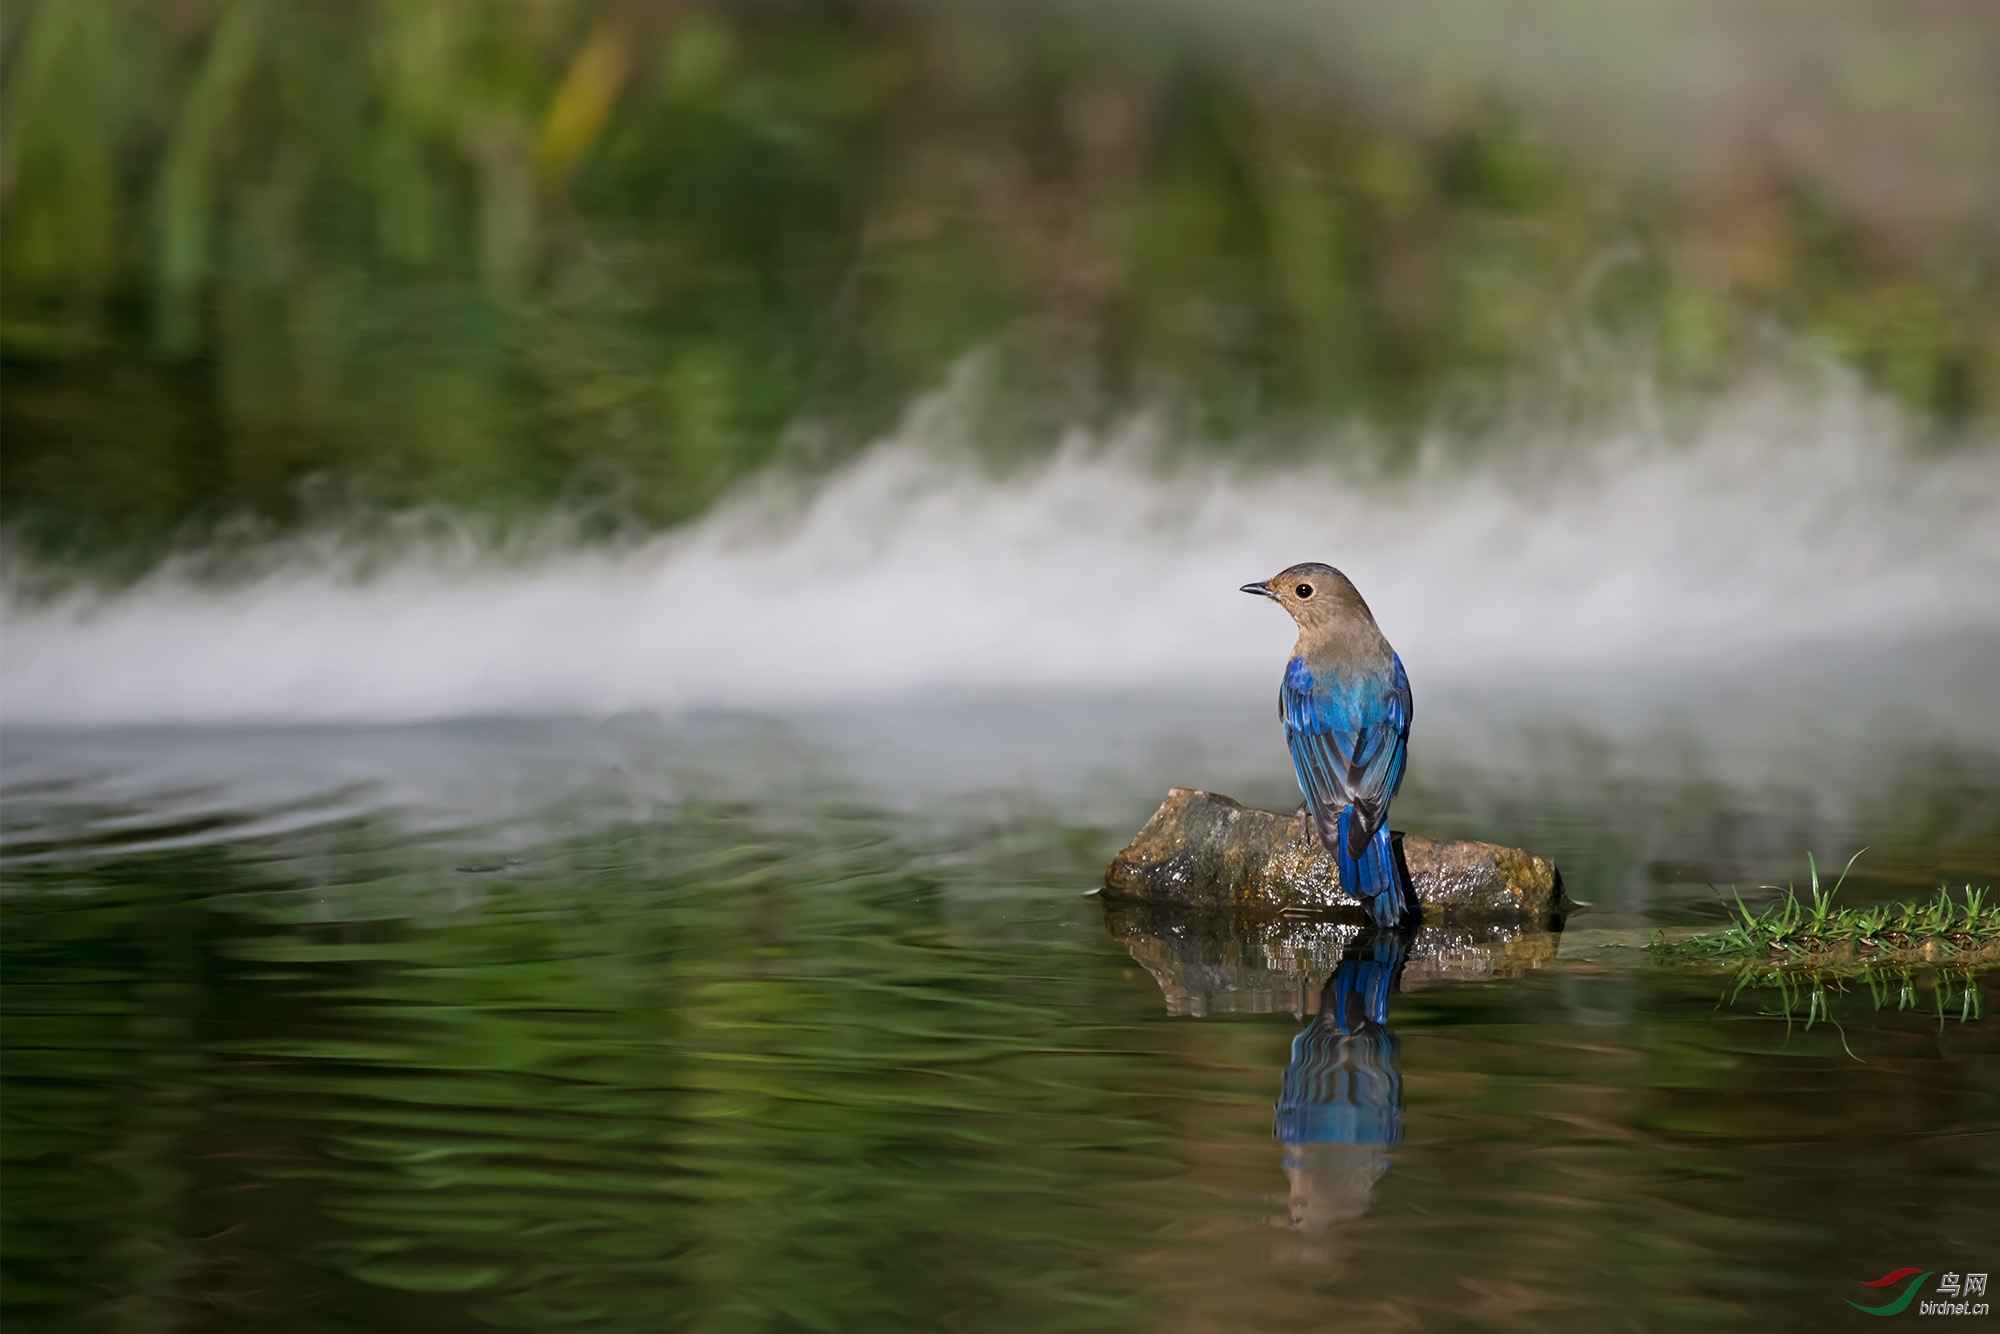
[{"x": 1371, "y": 876}]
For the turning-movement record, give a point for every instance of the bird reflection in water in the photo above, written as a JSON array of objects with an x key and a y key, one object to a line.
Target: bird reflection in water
[{"x": 1340, "y": 1110}]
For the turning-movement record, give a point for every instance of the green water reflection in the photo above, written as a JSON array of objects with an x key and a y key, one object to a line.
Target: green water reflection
[{"x": 717, "y": 1073}]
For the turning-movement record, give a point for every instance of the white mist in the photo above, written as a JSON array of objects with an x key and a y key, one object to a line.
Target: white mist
[{"x": 1787, "y": 519}]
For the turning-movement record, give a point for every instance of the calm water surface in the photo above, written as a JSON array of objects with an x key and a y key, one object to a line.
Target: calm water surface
[{"x": 756, "y": 1023}]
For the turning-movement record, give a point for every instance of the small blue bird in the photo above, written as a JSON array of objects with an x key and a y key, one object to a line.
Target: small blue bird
[{"x": 1346, "y": 705}]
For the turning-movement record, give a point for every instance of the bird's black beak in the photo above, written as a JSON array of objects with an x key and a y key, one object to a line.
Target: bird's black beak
[{"x": 1258, "y": 589}]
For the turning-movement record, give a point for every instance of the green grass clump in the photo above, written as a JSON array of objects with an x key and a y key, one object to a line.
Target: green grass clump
[
  {"x": 1810, "y": 931},
  {"x": 1805, "y": 950}
]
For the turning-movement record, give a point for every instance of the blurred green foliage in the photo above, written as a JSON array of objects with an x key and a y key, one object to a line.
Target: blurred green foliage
[{"x": 611, "y": 256}]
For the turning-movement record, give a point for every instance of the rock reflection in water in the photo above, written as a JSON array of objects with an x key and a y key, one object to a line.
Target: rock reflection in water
[
  {"x": 1213, "y": 964},
  {"x": 1340, "y": 1105}
]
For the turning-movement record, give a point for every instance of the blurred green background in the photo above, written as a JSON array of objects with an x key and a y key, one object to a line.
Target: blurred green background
[{"x": 262, "y": 260}]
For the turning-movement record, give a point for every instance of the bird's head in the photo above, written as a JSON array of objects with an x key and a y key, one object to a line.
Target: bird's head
[{"x": 1315, "y": 594}]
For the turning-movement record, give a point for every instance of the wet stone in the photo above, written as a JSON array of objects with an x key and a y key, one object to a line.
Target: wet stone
[{"x": 1205, "y": 851}]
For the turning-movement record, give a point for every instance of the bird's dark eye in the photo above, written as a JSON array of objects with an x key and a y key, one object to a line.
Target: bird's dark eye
[{"x": 1304, "y": 591}]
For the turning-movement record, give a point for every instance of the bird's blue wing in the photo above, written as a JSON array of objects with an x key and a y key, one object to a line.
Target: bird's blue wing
[{"x": 1348, "y": 739}]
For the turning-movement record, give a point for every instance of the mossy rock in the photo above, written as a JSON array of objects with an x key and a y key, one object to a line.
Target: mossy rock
[{"x": 1205, "y": 851}]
